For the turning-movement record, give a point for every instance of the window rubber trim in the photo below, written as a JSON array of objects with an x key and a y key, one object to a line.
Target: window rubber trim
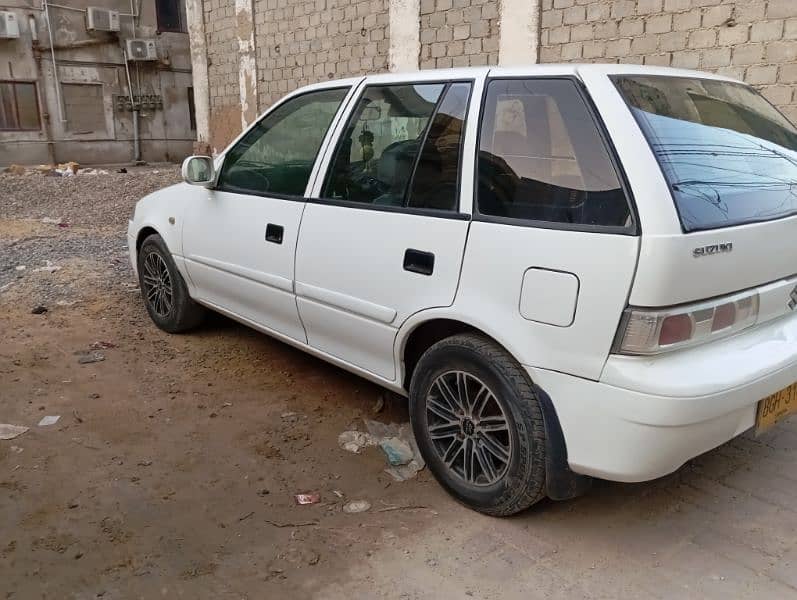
[{"x": 633, "y": 229}]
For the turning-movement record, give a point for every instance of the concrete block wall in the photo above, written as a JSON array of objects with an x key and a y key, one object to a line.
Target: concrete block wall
[
  {"x": 305, "y": 41},
  {"x": 458, "y": 33},
  {"x": 302, "y": 41},
  {"x": 752, "y": 40}
]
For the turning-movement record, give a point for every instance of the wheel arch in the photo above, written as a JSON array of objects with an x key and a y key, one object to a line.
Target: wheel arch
[
  {"x": 428, "y": 329},
  {"x": 144, "y": 233}
]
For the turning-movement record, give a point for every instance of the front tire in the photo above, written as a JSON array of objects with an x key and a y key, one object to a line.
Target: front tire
[
  {"x": 479, "y": 425},
  {"x": 163, "y": 289}
]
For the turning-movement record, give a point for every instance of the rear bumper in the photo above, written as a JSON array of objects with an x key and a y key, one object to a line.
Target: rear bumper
[{"x": 645, "y": 424}]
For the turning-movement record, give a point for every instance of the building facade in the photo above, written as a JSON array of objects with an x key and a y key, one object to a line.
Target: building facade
[
  {"x": 73, "y": 88},
  {"x": 254, "y": 51}
]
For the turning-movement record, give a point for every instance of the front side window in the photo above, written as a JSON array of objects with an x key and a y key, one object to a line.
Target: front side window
[
  {"x": 542, "y": 158},
  {"x": 377, "y": 155},
  {"x": 728, "y": 155},
  {"x": 19, "y": 107},
  {"x": 277, "y": 155}
]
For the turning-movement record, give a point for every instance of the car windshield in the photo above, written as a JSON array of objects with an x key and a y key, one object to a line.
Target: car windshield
[{"x": 729, "y": 156}]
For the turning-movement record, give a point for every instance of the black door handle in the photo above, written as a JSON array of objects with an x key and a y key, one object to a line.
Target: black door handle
[
  {"x": 418, "y": 261},
  {"x": 274, "y": 233}
]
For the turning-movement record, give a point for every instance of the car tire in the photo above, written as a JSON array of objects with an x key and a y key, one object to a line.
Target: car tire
[
  {"x": 163, "y": 288},
  {"x": 497, "y": 423}
]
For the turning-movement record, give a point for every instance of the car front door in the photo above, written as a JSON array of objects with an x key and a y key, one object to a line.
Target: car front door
[
  {"x": 383, "y": 237},
  {"x": 239, "y": 239}
]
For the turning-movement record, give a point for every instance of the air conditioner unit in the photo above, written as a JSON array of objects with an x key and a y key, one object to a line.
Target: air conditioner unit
[
  {"x": 9, "y": 26},
  {"x": 102, "y": 19},
  {"x": 141, "y": 49}
]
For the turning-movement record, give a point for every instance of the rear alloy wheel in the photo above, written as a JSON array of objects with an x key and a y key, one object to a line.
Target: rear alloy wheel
[
  {"x": 163, "y": 289},
  {"x": 478, "y": 424}
]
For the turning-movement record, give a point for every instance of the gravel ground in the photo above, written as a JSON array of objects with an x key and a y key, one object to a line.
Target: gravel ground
[
  {"x": 57, "y": 233},
  {"x": 82, "y": 200}
]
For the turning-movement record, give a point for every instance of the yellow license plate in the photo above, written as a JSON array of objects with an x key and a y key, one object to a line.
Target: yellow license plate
[{"x": 777, "y": 407}]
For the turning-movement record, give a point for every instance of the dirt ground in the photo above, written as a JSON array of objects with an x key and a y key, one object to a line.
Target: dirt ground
[{"x": 172, "y": 469}]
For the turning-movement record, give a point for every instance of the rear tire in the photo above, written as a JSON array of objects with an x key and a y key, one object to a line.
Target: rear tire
[
  {"x": 163, "y": 289},
  {"x": 487, "y": 449}
]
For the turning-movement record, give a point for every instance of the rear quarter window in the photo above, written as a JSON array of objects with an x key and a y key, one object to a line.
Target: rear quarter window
[{"x": 542, "y": 158}]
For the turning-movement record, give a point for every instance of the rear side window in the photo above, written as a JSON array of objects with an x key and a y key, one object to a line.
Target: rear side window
[
  {"x": 729, "y": 156},
  {"x": 402, "y": 147},
  {"x": 542, "y": 158},
  {"x": 277, "y": 155}
]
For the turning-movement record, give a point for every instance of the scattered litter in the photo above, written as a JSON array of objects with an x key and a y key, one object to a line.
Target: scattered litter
[
  {"x": 72, "y": 505},
  {"x": 356, "y": 506},
  {"x": 379, "y": 404},
  {"x": 94, "y": 357},
  {"x": 122, "y": 170},
  {"x": 39, "y": 310},
  {"x": 398, "y": 451},
  {"x": 355, "y": 441},
  {"x": 16, "y": 449},
  {"x": 338, "y": 493},
  {"x": 63, "y": 225},
  {"x": 299, "y": 524},
  {"x": 102, "y": 345},
  {"x": 144, "y": 463},
  {"x": 408, "y": 507},
  {"x": 15, "y": 170},
  {"x": 51, "y": 220},
  {"x": 91, "y": 171},
  {"x": 246, "y": 516},
  {"x": 48, "y": 267},
  {"x": 288, "y": 415},
  {"x": 307, "y": 498},
  {"x": 49, "y": 420},
  {"x": 67, "y": 169},
  {"x": 396, "y": 441},
  {"x": 20, "y": 268},
  {"x": 9, "y": 432}
]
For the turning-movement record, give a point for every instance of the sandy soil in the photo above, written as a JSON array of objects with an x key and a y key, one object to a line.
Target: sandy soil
[{"x": 172, "y": 470}]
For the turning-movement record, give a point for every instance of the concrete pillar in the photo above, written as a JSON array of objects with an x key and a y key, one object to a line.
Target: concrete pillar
[
  {"x": 519, "y": 43},
  {"x": 405, "y": 35},
  {"x": 199, "y": 67},
  {"x": 247, "y": 61}
]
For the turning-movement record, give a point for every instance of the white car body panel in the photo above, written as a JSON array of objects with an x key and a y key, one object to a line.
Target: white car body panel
[
  {"x": 230, "y": 262},
  {"x": 336, "y": 288}
]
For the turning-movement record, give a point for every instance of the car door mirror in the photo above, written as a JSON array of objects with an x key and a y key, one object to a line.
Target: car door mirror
[{"x": 199, "y": 170}]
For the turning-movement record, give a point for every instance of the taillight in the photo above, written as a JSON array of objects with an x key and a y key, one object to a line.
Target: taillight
[{"x": 650, "y": 331}]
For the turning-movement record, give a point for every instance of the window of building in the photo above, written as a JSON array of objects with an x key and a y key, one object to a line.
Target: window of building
[
  {"x": 171, "y": 15},
  {"x": 542, "y": 158},
  {"x": 277, "y": 155},
  {"x": 83, "y": 107},
  {"x": 19, "y": 106}
]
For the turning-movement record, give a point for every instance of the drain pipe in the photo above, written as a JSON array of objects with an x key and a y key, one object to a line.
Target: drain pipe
[
  {"x": 134, "y": 105},
  {"x": 55, "y": 65}
]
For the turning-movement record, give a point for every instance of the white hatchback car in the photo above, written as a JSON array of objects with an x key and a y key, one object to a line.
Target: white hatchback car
[{"x": 571, "y": 271}]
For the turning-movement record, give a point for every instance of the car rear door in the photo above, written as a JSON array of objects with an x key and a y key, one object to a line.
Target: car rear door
[
  {"x": 239, "y": 238},
  {"x": 383, "y": 237}
]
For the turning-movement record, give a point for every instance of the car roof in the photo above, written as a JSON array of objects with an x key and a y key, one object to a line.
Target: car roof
[{"x": 531, "y": 70}]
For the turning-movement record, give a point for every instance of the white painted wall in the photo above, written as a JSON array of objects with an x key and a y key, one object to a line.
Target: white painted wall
[
  {"x": 199, "y": 67},
  {"x": 405, "y": 35},
  {"x": 519, "y": 43},
  {"x": 247, "y": 61}
]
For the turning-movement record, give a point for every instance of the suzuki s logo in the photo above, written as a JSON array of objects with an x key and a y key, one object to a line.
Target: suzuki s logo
[
  {"x": 793, "y": 298},
  {"x": 713, "y": 249}
]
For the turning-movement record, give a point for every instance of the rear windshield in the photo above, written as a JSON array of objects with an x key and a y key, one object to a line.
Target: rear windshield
[{"x": 729, "y": 156}]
